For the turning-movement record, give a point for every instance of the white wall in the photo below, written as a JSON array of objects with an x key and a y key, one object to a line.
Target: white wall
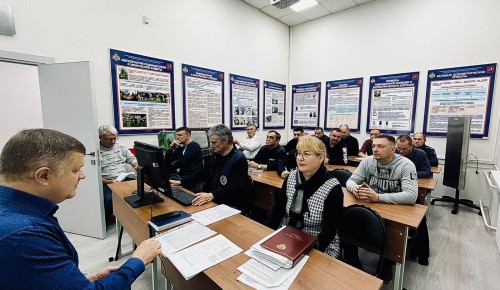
[
  {"x": 19, "y": 92},
  {"x": 225, "y": 35},
  {"x": 393, "y": 36}
]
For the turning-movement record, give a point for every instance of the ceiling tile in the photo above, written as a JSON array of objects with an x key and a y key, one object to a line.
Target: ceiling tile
[
  {"x": 276, "y": 12},
  {"x": 359, "y": 2},
  {"x": 258, "y": 3},
  {"x": 293, "y": 19},
  {"x": 338, "y": 5},
  {"x": 314, "y": 12}
]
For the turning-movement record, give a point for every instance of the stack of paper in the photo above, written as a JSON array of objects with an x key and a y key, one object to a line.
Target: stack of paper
[
  {"x": 182, "y": 237},
  {"x": 268, "y": 270}
]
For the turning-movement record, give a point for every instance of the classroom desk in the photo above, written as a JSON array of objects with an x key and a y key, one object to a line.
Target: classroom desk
[
  {"x": 399, "y": 218},
  {"x": 436, "y": 169},
  {"x": 320, "y": 272}
]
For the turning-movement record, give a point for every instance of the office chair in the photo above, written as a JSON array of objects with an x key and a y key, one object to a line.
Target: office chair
[
  {"x": 200, "y": 136},
  {"x": 361, "y": 226},
  {"x": 342, "y": 175}
]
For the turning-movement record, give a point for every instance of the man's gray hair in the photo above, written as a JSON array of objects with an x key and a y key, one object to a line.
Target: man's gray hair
[
  {"x": 107, "y": 129},
  {"x": 222, "y": 131},
  {"x": 251, "y": 125}
]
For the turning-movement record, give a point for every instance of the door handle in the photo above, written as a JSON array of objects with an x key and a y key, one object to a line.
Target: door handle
[{"x": 91, "y": 154}]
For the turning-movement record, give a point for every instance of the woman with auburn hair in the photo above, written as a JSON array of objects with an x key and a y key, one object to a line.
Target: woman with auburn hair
[{"x": 311, "y": 199}]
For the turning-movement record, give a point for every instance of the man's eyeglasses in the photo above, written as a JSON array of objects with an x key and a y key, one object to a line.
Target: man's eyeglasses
[
  {"x": 304, "y": 155},
  {"x": 110, "y": 139}
]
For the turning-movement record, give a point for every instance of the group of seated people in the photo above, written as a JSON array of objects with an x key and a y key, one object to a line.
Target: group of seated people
[{"x": 311, "y": 198}]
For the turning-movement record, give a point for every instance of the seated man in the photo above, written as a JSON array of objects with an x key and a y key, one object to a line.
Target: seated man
[
  {"x": 383, "y": 177},
  {"x": 35, "y": 252},
  {"x": 290, "y": 161},
  {"x": 417, "y": 156},
  {"x": 336, "y": 149},
  {"x": 419, "y": 142},
  {"x": 419, "y": 246},
  {"x": 319, "y": 133},
  {"x": 115, "y": 159},
  {"x": 226, "y": 173},
  {"x": 297, "y": 131},
  {"x": 350, "y": 141},
  {"x": 270, "y": 155},
  {"x": 185, "y": 159},
  {"x": 251, "y": 144},
  {"x": 366, "y": 149}
]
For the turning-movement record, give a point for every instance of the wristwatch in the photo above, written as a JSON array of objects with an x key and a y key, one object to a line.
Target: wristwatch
[{"x": 258, "y": 166}]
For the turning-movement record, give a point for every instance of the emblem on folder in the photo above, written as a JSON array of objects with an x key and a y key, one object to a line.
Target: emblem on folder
[{"x": 281, "y": 246}]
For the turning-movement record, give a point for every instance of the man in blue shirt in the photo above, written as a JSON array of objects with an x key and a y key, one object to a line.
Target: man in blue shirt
[
  {"x": 404, "y": 143},
  {"x": 40, "y": 168}
]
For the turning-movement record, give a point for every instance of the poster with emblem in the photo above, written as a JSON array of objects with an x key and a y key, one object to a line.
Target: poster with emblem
[
  {"x": 392, "y": 103},
  {"x": 343, "y": 103},
  {"x": 459, "y": 92},
  {"x": 244, "y": 98},
  {"x": 305, "y": 105},
  {"x": 143, "y": 93},
  {"x": 203, "y": 91},
  {"x": 274, "y": 105}
]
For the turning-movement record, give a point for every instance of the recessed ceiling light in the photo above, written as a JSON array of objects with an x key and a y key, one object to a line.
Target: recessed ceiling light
[{"x": 303, "y": 5}]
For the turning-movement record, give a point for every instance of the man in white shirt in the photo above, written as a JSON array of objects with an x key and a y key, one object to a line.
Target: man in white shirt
[{"x": 251, "y": 144}]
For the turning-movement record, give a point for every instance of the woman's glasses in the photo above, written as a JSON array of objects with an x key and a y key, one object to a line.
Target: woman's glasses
[{"x": 304, "y": 155}]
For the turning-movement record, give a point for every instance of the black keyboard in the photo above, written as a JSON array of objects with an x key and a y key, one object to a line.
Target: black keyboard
[{"x": 182, "y": 196}]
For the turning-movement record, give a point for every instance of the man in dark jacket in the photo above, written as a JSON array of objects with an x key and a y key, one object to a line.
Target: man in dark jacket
[
  {"x": 419, "y": 142},
  {"x": 269, "y": 155}
]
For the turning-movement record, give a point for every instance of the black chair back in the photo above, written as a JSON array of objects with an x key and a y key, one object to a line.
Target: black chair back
[
  {"x": 363, "y": 227},
  {"x": 342, "y": 175}
]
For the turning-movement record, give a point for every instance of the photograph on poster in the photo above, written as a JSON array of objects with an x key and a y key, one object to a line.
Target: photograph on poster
[{"x": 142, "y": 93}]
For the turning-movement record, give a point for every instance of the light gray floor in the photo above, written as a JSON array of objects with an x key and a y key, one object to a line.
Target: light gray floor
[{"x": 463, "y": 254}]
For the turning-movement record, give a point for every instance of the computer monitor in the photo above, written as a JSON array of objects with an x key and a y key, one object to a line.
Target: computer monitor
[{"x": 152, "y": 171}]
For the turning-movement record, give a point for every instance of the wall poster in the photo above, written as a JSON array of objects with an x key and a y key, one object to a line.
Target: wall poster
[
  {"x": 203, "y": 91},
  {"x": 343, "y": 103},
  {"x": 143, "y": 93},
  {"x": 392, "y": 103},
  {"x": 244, "y": 101},
  {"x": 305, "y": 105},
  {"x": 274, "y": 105},
  {"x": 459, "y": 92}
]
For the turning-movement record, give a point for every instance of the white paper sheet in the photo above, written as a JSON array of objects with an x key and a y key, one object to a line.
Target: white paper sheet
[
  {"x": 199, "y": 257},
  {"x": 214, "y": 214},
  {"x": 251, "y": 253},
  {"x": 124, "y": 175},
  {"x": 182, "y": 237},
  {"x": 268, "y": 278}
]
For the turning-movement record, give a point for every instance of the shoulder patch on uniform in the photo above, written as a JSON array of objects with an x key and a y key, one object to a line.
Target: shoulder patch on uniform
[{"x": 413, "y": 176}]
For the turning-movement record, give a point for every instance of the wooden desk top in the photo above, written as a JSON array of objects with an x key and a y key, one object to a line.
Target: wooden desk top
[
  {"x": 436, "y": 169},
  {"x": 320, "y": 272},
  {"x": 353, "y": 158},
  {"x": 271, "y": 178}
]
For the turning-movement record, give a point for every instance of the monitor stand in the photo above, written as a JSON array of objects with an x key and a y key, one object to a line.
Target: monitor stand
[{"x": 149, "y": 198}]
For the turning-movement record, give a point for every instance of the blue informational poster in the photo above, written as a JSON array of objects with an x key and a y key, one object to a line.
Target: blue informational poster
[
  {"x": 305, "y": 105},
  {"x": 203, "y": 91},
  {"x": 274, "y": 105},
  {"x": 143, "y": 93},
  {"x": 459, "y": 92},
  {"x": 244, "y": 101},
  {"x": 392, "y": 103},
  {"x": 343, "y": 103}
]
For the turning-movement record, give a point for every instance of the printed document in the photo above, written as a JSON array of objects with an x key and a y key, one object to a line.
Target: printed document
[
  {"x": 204, "y": 255},
  {"x": 214, "y": 214},
  {"x": 266, "y": 278},
  {"x": 182, "y": 237}
]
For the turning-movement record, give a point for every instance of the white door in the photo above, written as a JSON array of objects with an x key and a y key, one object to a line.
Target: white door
[{"x": 68, "y": 105}]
